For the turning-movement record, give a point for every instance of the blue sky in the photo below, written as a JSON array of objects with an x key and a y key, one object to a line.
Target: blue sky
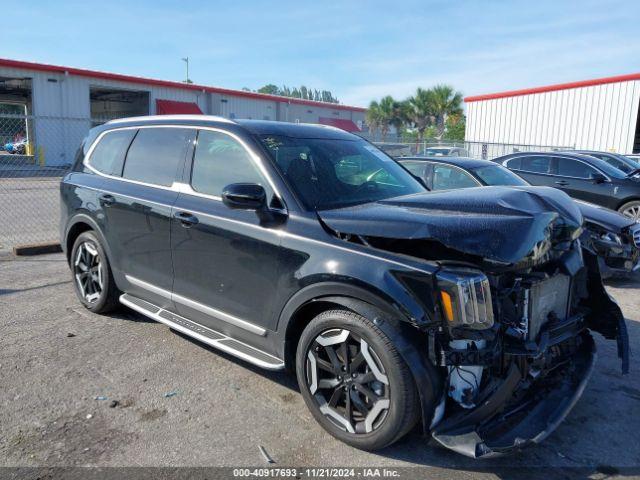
[{"x": 359, "y": 50}]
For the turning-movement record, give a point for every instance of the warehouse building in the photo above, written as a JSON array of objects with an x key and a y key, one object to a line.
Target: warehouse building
[
  {"x": 53, "y": 107},
  {"x": 600, "y": 114}
]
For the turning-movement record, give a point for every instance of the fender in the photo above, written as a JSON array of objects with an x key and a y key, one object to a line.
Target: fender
[
  {"x": 88, "y": 219},
  {"x": 393, "y": 324}
]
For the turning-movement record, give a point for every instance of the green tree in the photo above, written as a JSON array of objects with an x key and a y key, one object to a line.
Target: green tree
[
  {"x": 269, "y": 89},
  {"x": 455, "y": 127},
  {"x": 445, "y": 103},
  {"x": 420, "y": 111},
  {"x": 373, "y": 117}
]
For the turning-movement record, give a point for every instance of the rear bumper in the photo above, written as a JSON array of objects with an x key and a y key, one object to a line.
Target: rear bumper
[{"x": 500, "y": 424}]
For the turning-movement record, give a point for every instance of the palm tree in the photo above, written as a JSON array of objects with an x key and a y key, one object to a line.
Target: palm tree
[
  {"x": 445, "y": 102},
  {"x": 374, "y": 118},
  {"x": 421, "y": 111},
  {"x": 392, "y": 114}
]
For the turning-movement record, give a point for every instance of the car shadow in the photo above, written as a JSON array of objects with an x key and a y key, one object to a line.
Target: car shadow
[{"x": 631, "y": 280}]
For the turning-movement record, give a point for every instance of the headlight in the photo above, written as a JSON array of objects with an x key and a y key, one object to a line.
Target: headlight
[{"x": 465, "y": 298}]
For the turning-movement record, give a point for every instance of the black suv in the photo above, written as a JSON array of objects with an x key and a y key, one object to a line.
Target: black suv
[
  {"x": 581, "y": 176},
  {"x": 466, "y": 311}
]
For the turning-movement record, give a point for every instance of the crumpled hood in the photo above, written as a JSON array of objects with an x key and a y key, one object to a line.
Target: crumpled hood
[
  {"x": 609, "y": 219},
  {"x": 505, "y": 224}
]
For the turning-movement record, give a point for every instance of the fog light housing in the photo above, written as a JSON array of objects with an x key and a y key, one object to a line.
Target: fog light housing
[{"x": 465, "y": 298}]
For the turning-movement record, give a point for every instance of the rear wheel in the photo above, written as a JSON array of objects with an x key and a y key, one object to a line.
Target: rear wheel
[
  {"x": 631, "y": 210},
  {"x": 354, "y": 381},
  {"x": 92, "y": 277}
]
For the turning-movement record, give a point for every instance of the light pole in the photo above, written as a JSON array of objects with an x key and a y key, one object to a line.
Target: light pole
[{"x": 186, "y": 61}]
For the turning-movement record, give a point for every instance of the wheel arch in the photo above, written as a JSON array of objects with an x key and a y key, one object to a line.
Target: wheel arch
[
  {"x": 625, "y": 201},
  {"x": 79, "y": 224},
  {"x": 410, "y": 341}
]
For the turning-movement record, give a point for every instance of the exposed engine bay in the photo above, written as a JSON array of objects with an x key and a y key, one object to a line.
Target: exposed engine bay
[{"x": 515, "y": 301}]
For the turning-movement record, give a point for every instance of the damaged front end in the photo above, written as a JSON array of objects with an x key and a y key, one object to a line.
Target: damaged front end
[{"x": 516, "y": 298}]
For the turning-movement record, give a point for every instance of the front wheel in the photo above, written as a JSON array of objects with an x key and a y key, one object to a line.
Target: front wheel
[
  {"x": 354, "y": 381},
  {"x": 631, "y": 210}
]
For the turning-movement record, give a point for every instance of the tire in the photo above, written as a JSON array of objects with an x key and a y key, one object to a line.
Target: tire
[
  {"x": 92, "y": 278},
  {"x": 372, "y": 358},
  {"x": 631, "y": 210}
]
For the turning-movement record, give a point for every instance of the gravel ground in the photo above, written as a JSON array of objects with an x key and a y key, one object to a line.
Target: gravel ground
[{"x": 180, "y": 403}]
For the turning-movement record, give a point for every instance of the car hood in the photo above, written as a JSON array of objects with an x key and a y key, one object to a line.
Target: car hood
[
  {"x": 604, "y": 217},
  {"x": 504, "y": 224}
]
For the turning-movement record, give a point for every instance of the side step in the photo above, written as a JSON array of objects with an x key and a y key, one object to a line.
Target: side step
[{"x": 202, "y": 333}]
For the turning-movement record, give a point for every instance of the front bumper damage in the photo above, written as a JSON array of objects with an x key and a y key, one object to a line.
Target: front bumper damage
[{"x": 519, "y": 412}]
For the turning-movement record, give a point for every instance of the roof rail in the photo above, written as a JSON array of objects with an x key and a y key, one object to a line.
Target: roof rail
[{"x": 199, "y": 117}]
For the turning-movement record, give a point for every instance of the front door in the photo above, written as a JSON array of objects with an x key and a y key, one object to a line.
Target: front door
[{"x": 226, "y": 263}]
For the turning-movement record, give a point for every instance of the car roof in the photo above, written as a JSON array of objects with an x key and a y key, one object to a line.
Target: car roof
[
  {"x": 464, "y": 162},
  {"x": 296, "y": 130},
  {"x": 256, "y": 127},
  {"x": 596, "y": 162}
]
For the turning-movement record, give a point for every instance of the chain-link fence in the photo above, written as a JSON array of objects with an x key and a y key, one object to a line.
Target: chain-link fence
[
  {"x": 479, "y": 150},
  {"x": 35, "y": 153}
]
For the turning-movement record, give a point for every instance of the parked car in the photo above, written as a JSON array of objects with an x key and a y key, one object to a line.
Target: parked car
[
  {"x": 614, "y": 237},
  {"x": 469, "y": 312},
  {"x": 581, "y": 176},
  {"x": 444, "y": 151},
  {"x": 616, "y": 160}
]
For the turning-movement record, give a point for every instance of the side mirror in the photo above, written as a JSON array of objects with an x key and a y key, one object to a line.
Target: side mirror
[
  {"x": 245, "y": 196},
  {"x": 598, "y": 178}
]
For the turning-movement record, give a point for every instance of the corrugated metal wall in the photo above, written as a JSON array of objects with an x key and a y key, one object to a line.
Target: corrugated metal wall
[
  {"x": 600, "y": 117},
  {"x": 62, "y": 111}
]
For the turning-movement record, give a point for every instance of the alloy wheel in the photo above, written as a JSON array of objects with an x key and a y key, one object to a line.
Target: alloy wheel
[
  {"x": 88, "y": 272},
  {"x": 348, "y": 381},
  {"x": 632, "y": 212}
]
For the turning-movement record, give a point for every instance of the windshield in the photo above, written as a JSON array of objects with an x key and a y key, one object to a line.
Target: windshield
[
  {"x": 617, "y": 161},
  {"x": 607, "y": 168},
  {"x": 327, "y": 174},
  {"x": 494, "y": 175},
  {"x": 437, "y": 151}
]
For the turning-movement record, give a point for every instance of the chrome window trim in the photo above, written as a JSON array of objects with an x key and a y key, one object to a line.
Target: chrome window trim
[
  {"x": 276, "y": 232},
  {"x": 551, "y": 155},
  {"x": 179, "y": 186},
  {"x": 434, "y": 162},
  {"x": 201, "y": 307}
]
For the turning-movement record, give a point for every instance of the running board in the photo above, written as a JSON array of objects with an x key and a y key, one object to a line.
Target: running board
[{"x": 202, "y": 333}]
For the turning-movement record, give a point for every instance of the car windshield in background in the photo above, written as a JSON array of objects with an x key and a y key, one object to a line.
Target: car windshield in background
[
  {"x": 437, "y": 152},
  {"x": 608, "y": 169},
  {"x": 498, "y": 175},
  {"x": 329, "y": 174}
]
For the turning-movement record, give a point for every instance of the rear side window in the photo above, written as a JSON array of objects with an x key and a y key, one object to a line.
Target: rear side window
[
  {"x": 446, "y": 177},
  {"x": 416, "y": 168},
  {"x": 535, "y": 164},
  {"x": 573, "y": 168},
  {"x": 221, "y": 160},
  {"x": 108, "y": 155},
  {"x": 156, "y": 153}
]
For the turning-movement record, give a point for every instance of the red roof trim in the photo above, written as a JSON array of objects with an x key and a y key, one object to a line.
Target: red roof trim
[
  {"x": 43, "y": 67},
  {"x": 553, "y": 88},
  {"x": 173, "y": 107},
  {"x": 342, "y": 123}
]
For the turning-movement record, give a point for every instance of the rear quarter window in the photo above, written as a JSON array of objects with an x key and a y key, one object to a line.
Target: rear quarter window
[{"x": 108, "y": 154}]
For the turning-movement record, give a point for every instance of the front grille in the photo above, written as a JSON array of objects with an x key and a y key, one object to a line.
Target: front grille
[{"x": 635, "y": 232}]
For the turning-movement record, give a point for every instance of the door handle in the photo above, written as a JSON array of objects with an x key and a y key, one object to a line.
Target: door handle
[
  {"x": 186, "y": 219},
  {"x": 562, "y": 183},
  {"x": 107, "y": 200}
]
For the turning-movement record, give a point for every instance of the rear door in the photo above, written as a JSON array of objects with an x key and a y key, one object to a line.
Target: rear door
[
  {"x": 450, "y": 177},
  {"x": 576, "y": 178},
  {"x": 137, "y": 210}
]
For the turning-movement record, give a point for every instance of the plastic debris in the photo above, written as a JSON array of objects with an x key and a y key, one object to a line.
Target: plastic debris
[
  {"x": 114, "y": 403},
  {"x": 170, "y": 394},
  {"x": 71, "y": 334},
  {"x": 266, "y": 456},
  {"x": 100, "y": 397},
  {"x": 89, "y": 416}
]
